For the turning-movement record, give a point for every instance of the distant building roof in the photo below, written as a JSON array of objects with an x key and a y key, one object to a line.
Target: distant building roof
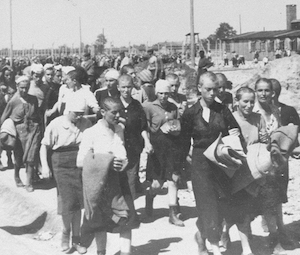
[{"x": 264, "y": 35}]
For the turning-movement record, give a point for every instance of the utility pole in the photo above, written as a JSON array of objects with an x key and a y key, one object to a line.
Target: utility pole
[
  {"x": 11, "y": 41},
  {"x": 240, "y": 23},
  {"x": 192, "y": 33},
  {"x": 80, "y": 38}
]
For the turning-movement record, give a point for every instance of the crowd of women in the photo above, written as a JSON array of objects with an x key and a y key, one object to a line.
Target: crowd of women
[{"x": 92, "y": 144}]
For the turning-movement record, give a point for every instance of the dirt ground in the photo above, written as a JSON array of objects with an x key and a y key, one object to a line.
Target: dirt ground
[{"x": 29, "y": 224}]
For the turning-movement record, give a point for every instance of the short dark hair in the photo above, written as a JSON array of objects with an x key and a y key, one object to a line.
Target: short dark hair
[
  {"x": 276, "y": 86},
  {"x": 108, "y": 101},
  {"x": 79, "y": 74},
  {"x": 265, "y": 80},
  {"x": 126, "y": 68},
  {"x": 243, "y": 90}
]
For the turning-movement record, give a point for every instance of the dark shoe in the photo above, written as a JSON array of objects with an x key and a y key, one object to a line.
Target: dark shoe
[
  {"x": 173, "y": 218},
  {"x": 201, "y": 244},
  {"x": 275, "y": 245},
  {"x": 19, "y": 183},
  {"x": 10, "y": 164},
  {"x": 101, "y": 252},
  {"x": 77, "y": 246},
  {"x": 149, "y": 204},
  {"x": 29, "y": 188},
  {"x": 65, "y": 241},
  {"x": 178, "y": 210}
]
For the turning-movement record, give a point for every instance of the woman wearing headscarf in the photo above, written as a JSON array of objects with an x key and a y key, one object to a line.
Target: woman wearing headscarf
[
  {"x": 7, "y": 90},
  {"x": 203, "y": 122},
  {"x": 63, "y": 136},
  {"x": 23, "y": 110},
  {"x": 164, "y": 163}
]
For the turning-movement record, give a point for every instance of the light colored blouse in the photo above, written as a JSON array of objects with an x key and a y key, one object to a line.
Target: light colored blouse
[
  {"x": 272, "y": 120},
  {"x": 251, "y": 126},
  {"x": 61, "y": 133},
  {"x": 101, "y": 139}
]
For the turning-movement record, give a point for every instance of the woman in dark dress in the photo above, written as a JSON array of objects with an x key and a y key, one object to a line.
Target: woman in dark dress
[
  {"x": 23, "y": 110},
  {"x": 164, "y": 164},
  {"x": 203, "y": 122}
]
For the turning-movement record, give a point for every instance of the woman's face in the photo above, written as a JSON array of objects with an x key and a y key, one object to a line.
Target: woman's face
[
  {"x": 112, "y": 114},
  {"x": 264, "y": 93},
  {"x": 246, "y": 103},
  {"x": 23, "y": 88},
  {"x": 111, "y": 83},
  {"x": 48, "y": 75},
  {"x": 70, "y": 82},
  {"x": 7, "y": 75},
  {"x": 162, "y": 97},
  {"x": 57, "y": 78},
  {"x": 125, "y": 88},
  {"x": 209, "y": 90},
  {"x": 37, "y": 77}
]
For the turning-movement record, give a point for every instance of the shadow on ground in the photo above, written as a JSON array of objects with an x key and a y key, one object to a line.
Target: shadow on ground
[
  {"x": 27, "y": 229},
  {"x": 154, "y": 246},
  {"x": 187, "y": 213}
]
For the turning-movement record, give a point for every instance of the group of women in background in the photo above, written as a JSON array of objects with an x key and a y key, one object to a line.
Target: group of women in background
[{"x": 140, "y": 117}]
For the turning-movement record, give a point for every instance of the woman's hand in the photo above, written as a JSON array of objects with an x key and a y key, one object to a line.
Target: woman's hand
[
  {"x": 46, "y": 172},
  {"x": 148, "y": 148},
  {"x": 234, "y": 132},
  {"x": 263, "y": 137},
  {"x": 119, "y": 164},
  {"x": 49, "y": 112}
]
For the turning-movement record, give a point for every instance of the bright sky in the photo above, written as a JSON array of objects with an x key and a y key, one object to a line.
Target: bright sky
[{"x": 41, "y": 23}]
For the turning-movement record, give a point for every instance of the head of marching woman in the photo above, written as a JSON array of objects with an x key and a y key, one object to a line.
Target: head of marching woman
[
  {"x": 23, "y": 86},
  {"x": 162, "y": 91},
  {"x": 75, "y": 78},
  {"x": 125, "y": 85},
  {"x": 110, "y": 110},
  {"x": 264, "y": 91},
  {"x": 208, "y": 87},
  {"x": 245, "y": 98}
]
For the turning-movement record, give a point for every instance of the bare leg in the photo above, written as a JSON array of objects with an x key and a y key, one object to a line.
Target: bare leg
[
  {"x": 125, "y": 242},
  {"x": 29, "y": 173},
  {"x": 101, "y": 239},
  {"x": 76, "y": 219},
  {"x": 244, "y": 231},
  {"x": 65, "y": 239},
  {"x": 173, "y": 215}
]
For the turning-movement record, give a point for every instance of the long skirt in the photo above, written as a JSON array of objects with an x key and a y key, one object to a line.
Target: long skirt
[
  {"x": 28, "y": 142},
  {"x": 69, "y": 182},
  {"x": 210, "y": 186}
]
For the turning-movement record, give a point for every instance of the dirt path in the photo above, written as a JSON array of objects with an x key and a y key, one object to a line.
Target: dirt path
[{"x": 27, "y": 216}]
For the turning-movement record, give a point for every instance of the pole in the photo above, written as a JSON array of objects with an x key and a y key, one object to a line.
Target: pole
[
  {"x": 11, "y": 42},
  {"x": 80, "y": 38},
  {"x": 240, "y": 23},
  {"x": 192, "y": 33}
]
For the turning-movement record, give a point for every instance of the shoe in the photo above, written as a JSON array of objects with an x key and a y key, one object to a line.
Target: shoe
[
  {"x": 1, "y": 167},
  {"x": 173, "y": 218},
  {"x": 101, "y": 252},
  {"x": 149, "y": 204},
  {"x": 65, "y": 241},
  {"x": 77, "y": 246},
  {"x": 29, "y": 188},
  {"x": 19, "y": 183}
]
